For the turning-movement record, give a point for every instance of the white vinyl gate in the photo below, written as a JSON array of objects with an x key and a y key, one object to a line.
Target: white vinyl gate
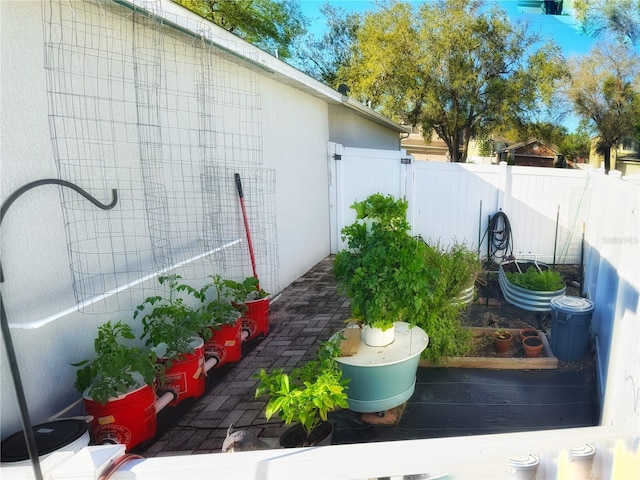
[{"x": 356, "y": 173}]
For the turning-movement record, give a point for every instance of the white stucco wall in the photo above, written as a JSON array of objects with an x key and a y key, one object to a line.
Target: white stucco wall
[{"x": 35, "y": 257}]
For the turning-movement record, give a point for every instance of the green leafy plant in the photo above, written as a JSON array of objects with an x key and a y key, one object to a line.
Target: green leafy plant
[
  {"x": 390, "y": 275},
  {"x": 219, "y": 311},
  {"x": 547, "y": 280},
  {"x": 382, "y": 269},
  {"x": 172, "y": 323},
  {"x": 308, "y": 393},
  {"x": 117, "y": 368},
  {"x": 502, "y": 334},
  {"x": 247, "y": 290}
]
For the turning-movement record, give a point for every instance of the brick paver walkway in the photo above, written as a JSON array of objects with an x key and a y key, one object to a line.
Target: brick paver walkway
[{"x": 306, "y": 313}]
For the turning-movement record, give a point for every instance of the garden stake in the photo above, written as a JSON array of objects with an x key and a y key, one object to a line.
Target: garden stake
[
  {"x": 246, "y": 227},
  {"x": 555, "y": 240}
]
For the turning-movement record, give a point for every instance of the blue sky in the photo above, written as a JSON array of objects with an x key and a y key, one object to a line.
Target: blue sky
[{"x": 561, "y": 27}]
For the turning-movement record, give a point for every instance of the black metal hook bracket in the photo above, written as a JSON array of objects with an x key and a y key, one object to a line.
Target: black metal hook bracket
[{"x": 6, "y": 333}]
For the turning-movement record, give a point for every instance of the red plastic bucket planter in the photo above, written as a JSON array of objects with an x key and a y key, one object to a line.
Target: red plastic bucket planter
[
  {"x": 129, "y": 419},
  {"x": 255, "y": 321},
  {"x": 225, "y": 344},
  {"x": 186, "y": 376}
]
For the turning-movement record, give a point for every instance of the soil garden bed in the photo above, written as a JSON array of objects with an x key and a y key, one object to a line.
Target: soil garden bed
[{"x": 484, "y": 354}]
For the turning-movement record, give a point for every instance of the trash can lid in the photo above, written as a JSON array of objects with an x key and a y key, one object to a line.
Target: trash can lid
[
  {"x": 569, "y": 304},
  {"x": 49, "y": 437}
]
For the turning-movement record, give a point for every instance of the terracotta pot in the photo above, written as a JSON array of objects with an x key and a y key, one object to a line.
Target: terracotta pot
[
  {"x": 528, "y": 332},
  {"x": 532, "y": 346},
  {"x": 502, "y": 345}
]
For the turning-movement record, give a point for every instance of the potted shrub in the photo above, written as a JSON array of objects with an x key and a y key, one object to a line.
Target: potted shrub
[
  {"x": 224, "y": 326},
  {"x": 382, "y": 269},
  {"x": 117, "y": 386},
  {"x": 171, "y": 327},
  {"x": 304, "y": 397},
  {"x": 253, "y": 302},
  {"x": 530, "y": 286}
]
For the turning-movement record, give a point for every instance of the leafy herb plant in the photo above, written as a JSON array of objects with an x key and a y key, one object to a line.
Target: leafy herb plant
[
  {"x": 390, "y": 275},
  {"x": 548, "y": 280},
  {"x": 382, "y": 268},
  {"x": 117, "y": 368}
]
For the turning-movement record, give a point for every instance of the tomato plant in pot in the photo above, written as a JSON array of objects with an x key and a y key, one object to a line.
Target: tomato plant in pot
[
  {"x": 305, "y": 397},
  {"x": 171, "y": 328},
  {"x": 118, "y": 387},
  {"x": 382, "y": 268},
  {"x": 223, "y": 333},
  {"x": 253, "y": 303}
]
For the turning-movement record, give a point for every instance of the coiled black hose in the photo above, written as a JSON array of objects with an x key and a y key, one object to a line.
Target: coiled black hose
[{"x": 500, "y": 238}]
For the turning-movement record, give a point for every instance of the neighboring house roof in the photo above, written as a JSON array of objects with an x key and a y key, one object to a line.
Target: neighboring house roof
[
  {"x": 236, "y": 49},
  {"x": 532, "y": 147},
  {"x": 415, "y": 145},
  {"x": 530, "y": 153}
]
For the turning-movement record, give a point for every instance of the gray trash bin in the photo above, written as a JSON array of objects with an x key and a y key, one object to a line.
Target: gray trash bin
[{"x": 570, "y": 327}]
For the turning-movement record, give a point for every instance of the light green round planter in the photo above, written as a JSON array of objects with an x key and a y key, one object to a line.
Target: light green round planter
[{"x": 381, "y": 378}]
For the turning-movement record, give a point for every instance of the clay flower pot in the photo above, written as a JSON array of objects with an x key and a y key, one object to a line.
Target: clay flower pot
[
  {"x": 532, "y": 346},
  {"x": 528, "y": 332},
  {"x": 502, "y": 341}
]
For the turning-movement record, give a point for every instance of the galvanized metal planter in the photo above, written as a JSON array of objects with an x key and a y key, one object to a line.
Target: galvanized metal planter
[{"x": 531, "y": 300}]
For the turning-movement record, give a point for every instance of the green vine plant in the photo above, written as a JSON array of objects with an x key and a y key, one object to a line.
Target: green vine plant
[{"x": 118, "y": 368}]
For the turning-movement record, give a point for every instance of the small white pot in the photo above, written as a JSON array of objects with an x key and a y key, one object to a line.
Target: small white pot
[{"x": 376, "y": 337}]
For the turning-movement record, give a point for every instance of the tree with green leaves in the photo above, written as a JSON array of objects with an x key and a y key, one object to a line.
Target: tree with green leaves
[
  {"x": 323, "y": 57},
  {"x": 576, "y": 144},
  {"x": 272, "y": 25},
  {"x": 452, "y": 67},
  {"x": 605, "y": 91},
  {"x": 620, "y": 18}
]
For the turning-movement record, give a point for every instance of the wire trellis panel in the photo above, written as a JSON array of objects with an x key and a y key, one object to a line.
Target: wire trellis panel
[
  {"x": 259, "y": 188},
  {"x": 139, "y": 106}
]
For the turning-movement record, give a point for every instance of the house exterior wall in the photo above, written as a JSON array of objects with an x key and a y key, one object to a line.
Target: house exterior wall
[
  {"x": 133, "y": 121},
  {"x": 351, "y": 130}
]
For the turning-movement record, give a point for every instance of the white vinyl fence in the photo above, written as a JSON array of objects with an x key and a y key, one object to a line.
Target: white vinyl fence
[{"x": 453, "y": 202}]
